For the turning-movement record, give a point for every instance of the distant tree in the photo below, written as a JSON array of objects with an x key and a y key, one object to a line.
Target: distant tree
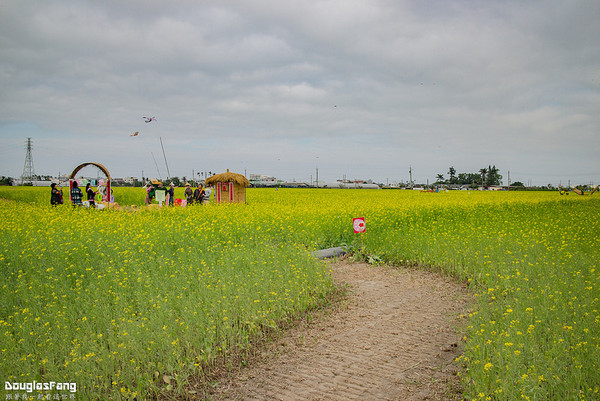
[
  {"x": 483, "y": 175},
  {"x": 493, "y": 177},
  {"x": 486, "y": 176},
  {"x": 517, "y": 184},
  {"x": 468, "y": 178},
  {"x": 452, "y": 174},
  {"x": 6, "y": 180}
]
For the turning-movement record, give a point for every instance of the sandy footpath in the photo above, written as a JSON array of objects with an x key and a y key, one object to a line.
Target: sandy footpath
[{"x": 393, "y": 338}]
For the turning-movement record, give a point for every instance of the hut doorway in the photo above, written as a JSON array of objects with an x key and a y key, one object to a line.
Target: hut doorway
[{"x": 224, "y": 192}]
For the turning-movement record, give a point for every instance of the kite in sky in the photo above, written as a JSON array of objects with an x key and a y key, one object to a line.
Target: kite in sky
[
  {"x": 149, "y": 119},
  {"x": 136, "y": 133}
]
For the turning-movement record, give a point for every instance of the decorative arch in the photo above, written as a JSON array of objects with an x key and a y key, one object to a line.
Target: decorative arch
[
  {"x": 82, "y": 165},
  {"x": 102, "y": 168}
]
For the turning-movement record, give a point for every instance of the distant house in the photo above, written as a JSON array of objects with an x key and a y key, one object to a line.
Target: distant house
[
  {"x": 294, "y": 184},
  {"x": 37, "y": 183},
  {"x": 348, "y": 185}
]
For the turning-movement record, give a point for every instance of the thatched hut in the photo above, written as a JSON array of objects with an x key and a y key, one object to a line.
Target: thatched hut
[{"x": 229, "y": 187}]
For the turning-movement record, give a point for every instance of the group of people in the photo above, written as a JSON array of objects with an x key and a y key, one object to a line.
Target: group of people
[
  {"x": 56, "y": 195},
  {"x": 154, "y": 186},
  {"x": 198, "y": 196},
  {"x": 77, "y": 194}
]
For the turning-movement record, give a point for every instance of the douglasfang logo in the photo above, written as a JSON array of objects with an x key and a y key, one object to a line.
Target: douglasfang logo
[{"x": 40, "y": 386}]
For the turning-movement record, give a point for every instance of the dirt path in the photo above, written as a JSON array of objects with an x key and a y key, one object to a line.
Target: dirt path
[{"x": 393, "y": 338}]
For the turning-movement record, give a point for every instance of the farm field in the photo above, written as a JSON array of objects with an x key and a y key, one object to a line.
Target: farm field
[{"x": 137, "y": 304}]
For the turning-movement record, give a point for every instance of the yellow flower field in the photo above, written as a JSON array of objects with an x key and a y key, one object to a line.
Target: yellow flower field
[{"x": 118, "y": 301}]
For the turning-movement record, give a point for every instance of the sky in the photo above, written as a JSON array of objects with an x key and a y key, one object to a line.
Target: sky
[{"x": 353, "y": 89}]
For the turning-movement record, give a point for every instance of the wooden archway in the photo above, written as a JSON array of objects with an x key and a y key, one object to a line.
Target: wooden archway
[{"x": 102, "y": 168}]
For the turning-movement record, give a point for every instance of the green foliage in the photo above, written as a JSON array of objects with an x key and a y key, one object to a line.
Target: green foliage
[
  {"x": 116, "y": 300},
  {"x": 535, "y": 331},
  {"x": 112, "y": 300},
  {"x": 487, "y": 176}
]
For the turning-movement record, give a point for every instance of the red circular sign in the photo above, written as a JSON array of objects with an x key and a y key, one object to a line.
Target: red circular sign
[{"x": 359, "y": 225}]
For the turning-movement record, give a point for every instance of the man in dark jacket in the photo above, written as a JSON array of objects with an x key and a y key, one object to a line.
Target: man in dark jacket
[{"x": 76, "y": 195}]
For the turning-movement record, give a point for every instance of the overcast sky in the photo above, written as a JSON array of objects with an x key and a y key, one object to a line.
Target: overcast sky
[{"x": 361, "y": 89}]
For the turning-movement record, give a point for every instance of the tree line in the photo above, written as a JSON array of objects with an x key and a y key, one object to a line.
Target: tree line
[{"x": 485, "y": 177}]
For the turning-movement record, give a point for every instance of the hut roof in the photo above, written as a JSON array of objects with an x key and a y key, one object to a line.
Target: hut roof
[{"x": 228, "y": 177}]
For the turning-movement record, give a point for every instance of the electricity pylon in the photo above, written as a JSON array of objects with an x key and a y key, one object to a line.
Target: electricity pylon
[{"x": 28, "y": 174}]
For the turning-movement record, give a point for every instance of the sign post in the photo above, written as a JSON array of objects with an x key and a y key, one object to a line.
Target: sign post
[
  {"x": 160, "y": 197},
  {"x": 360, "y": 226}
]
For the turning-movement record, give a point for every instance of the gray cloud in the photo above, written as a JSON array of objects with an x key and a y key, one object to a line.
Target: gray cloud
[{"x": 362, "y": 88}]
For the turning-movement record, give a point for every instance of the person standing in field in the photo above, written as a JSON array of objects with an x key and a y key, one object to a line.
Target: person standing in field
[
  {"x": 91, "y": 195},
  {"x": 207, "y": 193},
  {"x": 150, "y": 193},
  {"x": 102, "y": 190},
  {"x": 147, "y": 190},
  {"x": 55, "y": 195},
  {"x": 171, "y": 193},
  {"x": 199, "y": 194},
  {"x": 76, "y": 194},
  {"x": 189, "y": 194}
]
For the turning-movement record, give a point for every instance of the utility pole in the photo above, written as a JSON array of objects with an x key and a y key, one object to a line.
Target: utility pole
[
  {"x": 410, "y": 172},
  {"x": 317, "y": 176},
  {"x": 165, "y": 156},
  {"x": 509, "y": 180},
  {"x": 156, "y": 164},
  {"x": 28, "y": 173}
]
